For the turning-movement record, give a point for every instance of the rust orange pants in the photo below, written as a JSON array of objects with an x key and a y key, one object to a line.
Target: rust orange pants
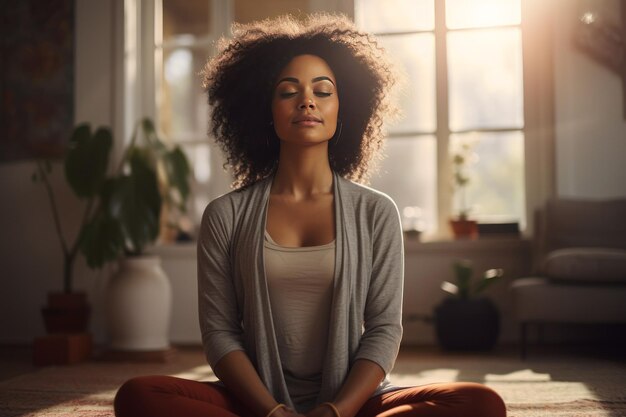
[{"x": 156, "y": 396}]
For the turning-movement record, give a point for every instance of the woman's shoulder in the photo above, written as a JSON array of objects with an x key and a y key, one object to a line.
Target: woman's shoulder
[
  {"x": 227, "y": 205},
  {"x": 367, "y": 195}
]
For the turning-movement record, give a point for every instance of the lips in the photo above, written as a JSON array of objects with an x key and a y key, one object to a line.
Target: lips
[{"x": 307, "y": 120}]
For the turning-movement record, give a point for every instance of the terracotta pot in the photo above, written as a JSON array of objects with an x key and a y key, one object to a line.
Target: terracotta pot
[
  {"x": 464, "y": 229},
  {"x": 66, "y": 313}
]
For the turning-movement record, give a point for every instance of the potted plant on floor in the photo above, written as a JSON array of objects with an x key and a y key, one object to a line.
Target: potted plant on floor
[
  {"x": 85, "y": 168},
  {"x": 462, "y": 226},
  {"x": 466, "y": 320},
  {"x": 138, "y": 297},
  {"x": 122, "y": 213}
]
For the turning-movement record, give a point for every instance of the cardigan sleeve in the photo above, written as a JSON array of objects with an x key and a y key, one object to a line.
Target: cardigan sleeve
[
  {"x": 383, "y": 308},
  {"x": 220, "y": 322}
]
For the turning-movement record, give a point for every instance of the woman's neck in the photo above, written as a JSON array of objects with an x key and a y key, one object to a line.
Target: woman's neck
[{"x": 303, "y": 171}]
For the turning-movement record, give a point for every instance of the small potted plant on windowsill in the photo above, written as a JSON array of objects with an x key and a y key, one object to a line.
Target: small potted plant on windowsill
[
  {"x": 466, "y": 320},
  {"x": 462, "y": 226}
]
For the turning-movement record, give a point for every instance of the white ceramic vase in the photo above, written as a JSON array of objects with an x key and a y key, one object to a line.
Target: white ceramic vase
[{"x": 138, "y": 305}]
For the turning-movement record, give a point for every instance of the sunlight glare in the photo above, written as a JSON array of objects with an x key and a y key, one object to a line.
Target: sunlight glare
[
  {"x": 425, "y": 377},
  {"x": 178, "y": 65},
  {"x": 482, "y": 13},
  {"x": 395, "y": 15},
  {"x": 526, "y": 375},
  {"x": 588, "y": 17},
  {"x": 449, "y": 287},
  {"x": 199, "y": 373}
]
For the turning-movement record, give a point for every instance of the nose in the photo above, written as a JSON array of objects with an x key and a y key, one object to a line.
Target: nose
[{"x": 307, "y": 103}]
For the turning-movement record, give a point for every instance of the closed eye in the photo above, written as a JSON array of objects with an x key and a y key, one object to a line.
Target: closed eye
[
  {"x": 287, "y": 94},
  {"x": 322, "y": 94}
]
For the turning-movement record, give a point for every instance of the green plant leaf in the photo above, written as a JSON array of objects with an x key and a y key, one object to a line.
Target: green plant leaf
[
  {"x": 146, "y": 183},
  {"x": 135, "y": 203},
  {"x": 178, "y": 171},
  {"x": 148, "y": 126},
  {"x": 101, "y": 240},
  {"x": 151, "y": 137},
  {"x": 489, "y": 277},
  {"x": 87, "y": 160},
  {"x": 450, "y": 288},
  {"x": 463, "y": 271}
]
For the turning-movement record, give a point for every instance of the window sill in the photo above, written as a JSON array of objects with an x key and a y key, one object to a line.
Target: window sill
[{"x": 495, "y": 244}]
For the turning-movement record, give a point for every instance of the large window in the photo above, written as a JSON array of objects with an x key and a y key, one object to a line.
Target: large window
[
  {"x": 463, "y": 65},
  {"x": 185, "y": 36},
  {"x": 462, "y": 61}
]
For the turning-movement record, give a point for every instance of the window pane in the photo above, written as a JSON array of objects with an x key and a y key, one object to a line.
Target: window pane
[
  {"x": 481, "y": 13},
  {"x": 247, "y": 11},
  {"x": 409, "y": 176},
  {"x": 496, "y": 186},
  {"x": 385, "y": 16},
  {"x": 415, "y": 54},
  {"x": 189, "y": 18},
  {"x": 183, "y": 111},
  {"x": 485, "y": 79}
]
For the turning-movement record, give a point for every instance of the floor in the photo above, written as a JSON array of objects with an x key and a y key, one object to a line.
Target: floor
[
  {"x": 17, "y": 360},
  {"x": 555, "y": 381}
]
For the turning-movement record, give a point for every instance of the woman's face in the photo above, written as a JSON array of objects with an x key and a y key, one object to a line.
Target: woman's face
[{"x": 305, "y": 102}]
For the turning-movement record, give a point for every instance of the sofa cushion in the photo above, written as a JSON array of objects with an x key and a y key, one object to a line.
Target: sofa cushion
[
  {"x": 570, "y": 223},
  {"x": 586, "y": 265},
  {"x": 538, "y": 299}
]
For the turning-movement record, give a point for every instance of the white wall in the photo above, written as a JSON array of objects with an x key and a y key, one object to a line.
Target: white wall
[
  {"x": 590, "y": 127},
  {"x": 31, "y": 261}
]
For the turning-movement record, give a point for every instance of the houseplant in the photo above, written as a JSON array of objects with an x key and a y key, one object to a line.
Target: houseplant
[
  {"x": 462, "y": 226},
  {"x": 138, "y": 296},
  {"x": 68, "y": 311},
  {"x": 466, "y": 320},
  {"x": 122, "y": 210}
]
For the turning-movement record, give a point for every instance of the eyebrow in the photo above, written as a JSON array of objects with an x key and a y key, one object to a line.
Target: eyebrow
[{"x": 297, "y": 81}]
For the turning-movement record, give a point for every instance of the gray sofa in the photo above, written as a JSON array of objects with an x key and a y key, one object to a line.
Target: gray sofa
[{"x": 579, "y": 266}]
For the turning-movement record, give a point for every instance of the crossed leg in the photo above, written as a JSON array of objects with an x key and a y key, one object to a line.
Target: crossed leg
[
  {"x": 160, "y": 396},
  {"x": 454, "y": 399}
]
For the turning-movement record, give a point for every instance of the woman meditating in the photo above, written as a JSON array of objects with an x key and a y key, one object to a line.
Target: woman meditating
[{"x": 300, "y": 269}]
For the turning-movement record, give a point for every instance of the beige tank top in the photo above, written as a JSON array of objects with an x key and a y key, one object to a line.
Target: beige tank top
[{"x": 300, "y": 284}]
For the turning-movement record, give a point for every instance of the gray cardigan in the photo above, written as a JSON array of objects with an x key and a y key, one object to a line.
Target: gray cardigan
[{"x": 366, "y": 307}]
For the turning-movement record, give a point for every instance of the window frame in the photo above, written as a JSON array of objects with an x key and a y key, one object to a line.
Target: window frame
[
  {"x": 537, "y": 129},
  {"x": 138, "y": 81}
]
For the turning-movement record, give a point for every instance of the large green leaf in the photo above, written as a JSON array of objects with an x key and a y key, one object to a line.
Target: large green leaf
[
  {"x": 87, "y": 160},
  {"x": 101, "y": 240},
  {"x": 135, "y": 203},
  {"x": 177, "y": 170},
  {"x": 143, "y": 170}
]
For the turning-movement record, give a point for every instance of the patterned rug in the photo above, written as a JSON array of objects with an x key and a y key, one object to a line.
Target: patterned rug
[{"x": 551, "y": 386}]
